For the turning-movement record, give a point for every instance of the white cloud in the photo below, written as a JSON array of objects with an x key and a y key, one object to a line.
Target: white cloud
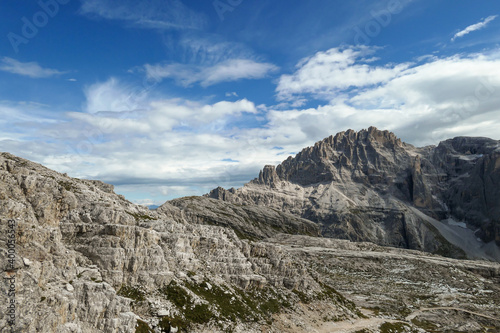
[
  {"x": 114, "y": 96},
  {"x": 175, "y": 147},
  {"x": 123, "y": 106},
  {"x": 194, "y": 113},
  {"x": 225, "y": 71},
  {"x": 155, "y": 14},
  {"x": 423, "y": 104},
  {"x": 336, "y": 69},
  {"x": 207, "y": 59},
  {"x": 30, "y": 69},
  {"x": 209, "y": 49},
  {"x": 480, "y": 25}
]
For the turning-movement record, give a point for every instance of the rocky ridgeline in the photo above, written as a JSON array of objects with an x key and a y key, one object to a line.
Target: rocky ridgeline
[
  {"x": 248, "y": 260},
  {"x": 364, "y": 186},
  {"x": 90, "y": 261}
]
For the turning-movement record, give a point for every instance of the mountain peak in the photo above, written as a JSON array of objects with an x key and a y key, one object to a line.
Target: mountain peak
[
  {"x": 331, "y": 158},
  {"x": 340, "y": 177},
  {"x": 370, "y": 135}
]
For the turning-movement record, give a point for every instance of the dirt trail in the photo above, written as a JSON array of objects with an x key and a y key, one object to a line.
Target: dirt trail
[
  {"x": 416, "y": 313},
  {"x": 375, "y": 322},
  {"x": 355, "y": 325}
]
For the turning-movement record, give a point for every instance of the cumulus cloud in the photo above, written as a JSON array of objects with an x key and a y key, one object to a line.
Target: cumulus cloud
[
  {"x": 121, "y": 105},
  {"x": 30, "y": 69},
  {"x": 423, "y": 103},
  {"x": 173, "y": 147},
  {"x": 333, "y": 70},
  {"x": 225, "y": 71},
  {"x": 480, "y": 25},
  {"x": 155, "y": 14},
  {"x": 114, "y": 96},
  {"x": 181, "y": 146}
]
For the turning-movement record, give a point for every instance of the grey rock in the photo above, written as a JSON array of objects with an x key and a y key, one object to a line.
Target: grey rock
[
  {"x": 87, "y": 260},
  {"x": 363, "y": 185}
]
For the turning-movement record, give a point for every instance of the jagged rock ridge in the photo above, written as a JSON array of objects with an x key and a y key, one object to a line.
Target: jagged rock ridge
[
  {"x": 87, "y": 260},
  {"x": 364, "y": 186}
]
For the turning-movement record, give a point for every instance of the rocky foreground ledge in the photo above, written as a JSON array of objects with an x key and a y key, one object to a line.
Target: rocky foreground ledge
[{"x": 87, "y": 260}]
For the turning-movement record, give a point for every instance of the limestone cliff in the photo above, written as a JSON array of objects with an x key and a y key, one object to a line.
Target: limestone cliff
[
  {"x": 87, "y": 260},
  {"x": 363, "y": 186}
]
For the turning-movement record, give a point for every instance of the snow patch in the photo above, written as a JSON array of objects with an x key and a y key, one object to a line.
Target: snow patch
[
  {"x": 463, "y": 238},
  {"x": 470, "y": 157},
  {"x": 451, "y": 221}
]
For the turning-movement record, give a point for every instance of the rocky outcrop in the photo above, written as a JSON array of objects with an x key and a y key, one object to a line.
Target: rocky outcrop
[
  {"x": 87, "y": 260},
  {"x": 268, "y": 176},
  {"x": 349, "y": 155},
  {"x": 362, "y": 185},
  {"x": 250, "y": 221},
  {"x": 473, "y": 194}
]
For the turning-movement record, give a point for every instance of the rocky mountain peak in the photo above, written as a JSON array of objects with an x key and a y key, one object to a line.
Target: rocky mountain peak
[
  {"x": 346, "y": 154},
  {"x": 87, "y": 260},
  {"x": 371, "y": 136},
  {"x": 268, "y": 176},
  {"x": 341, "y": 180},
  {"x": 467, "y": 146}
]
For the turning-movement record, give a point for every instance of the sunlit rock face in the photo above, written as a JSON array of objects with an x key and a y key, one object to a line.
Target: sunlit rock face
[
  {"x": 266, "y": 257},
  {"x": 366, "y": 185}
]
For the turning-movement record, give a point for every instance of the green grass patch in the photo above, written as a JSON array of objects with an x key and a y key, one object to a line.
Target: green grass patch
[
  {"x": 426, "y": 325},
  {"x": 176, "y": 294},
  {"x": 133, "y": 293},
  {"x": 143, "y": 327},
  {"x": 199, "y": 313},
  {"x": 244, "y": 235},
  {"x": 393, "y": 327},
  {"x": 228, "y": 305},
  {"x": 302, "y": 296},
  {"x": 66, "y": 185},
  {"x": 222, "y": 303},
  {"x": 139, "y": 217}
]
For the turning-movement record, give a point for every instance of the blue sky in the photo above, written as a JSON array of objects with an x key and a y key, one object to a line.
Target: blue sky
[{"x": 171, "y": 98}]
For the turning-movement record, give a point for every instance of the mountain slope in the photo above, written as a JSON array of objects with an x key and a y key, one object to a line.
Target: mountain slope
[
  {"x": 86, "y": 260},
  {"x": 363, "y": 186}
]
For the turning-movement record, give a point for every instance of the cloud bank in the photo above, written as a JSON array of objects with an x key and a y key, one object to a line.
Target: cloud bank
[
  {"x": 226, "y": 71},
  {"x": 161, "y": 147}
]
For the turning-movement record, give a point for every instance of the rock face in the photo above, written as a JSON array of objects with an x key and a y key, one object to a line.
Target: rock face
[
  {"x": 250, "y": 222},
  {"x": 87, "y": 260},
  {"x": 363, "y": 186},
  {"x": 473, "y": 195}
]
